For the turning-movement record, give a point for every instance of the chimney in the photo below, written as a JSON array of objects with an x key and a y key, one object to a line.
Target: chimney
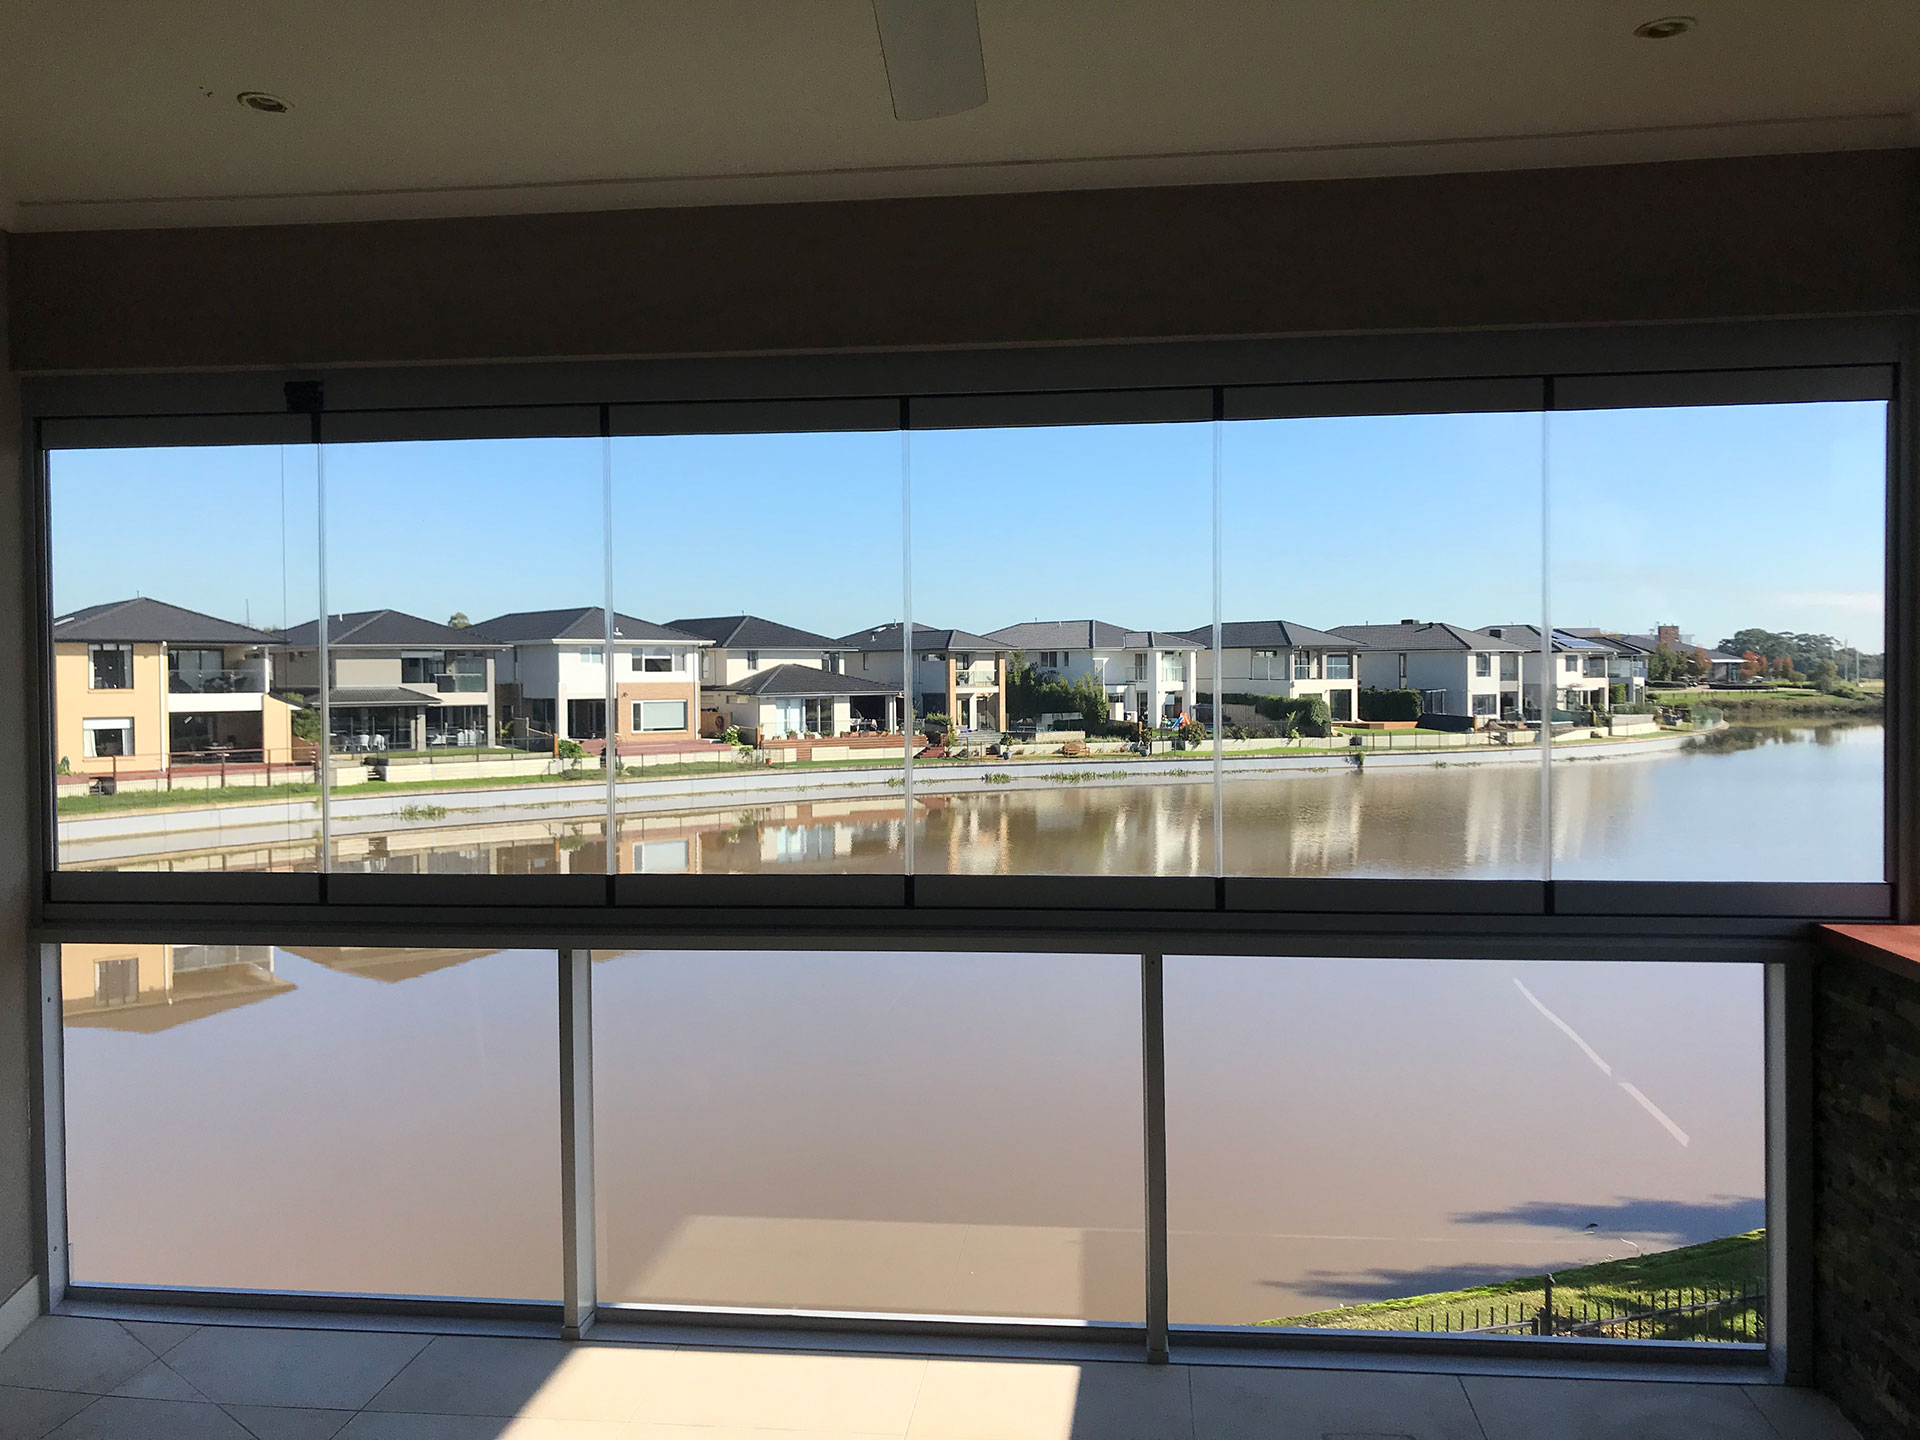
[
  {"x": 1667, "y": 634},
  {"x": 1409, "y": 622}
]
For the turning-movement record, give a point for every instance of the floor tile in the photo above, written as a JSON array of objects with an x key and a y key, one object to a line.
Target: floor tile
[
  {"x": 157, "y": 1382},
  {"x": 321, "y": 1369},
  {"x": 398, "y": 1426},
  {"x": 782, "y": 1390},
  {"x": 159, "y": 1336},
  {"x": 543, "y": 1379},
  {"x": 278, "y": 1422},
  {"x": 1011, "y": 1400},
  {"x": 29, "y": 1414},
  {"x": 647, "y": 1430},
  {"x": 1801, "y": 1414},
  {"x": 62, "y": 1352},
  {"x": 1234, "y": 1404},
  {"x": 124, "y": 1418},
  {"x": 1515, "y": 1409}
]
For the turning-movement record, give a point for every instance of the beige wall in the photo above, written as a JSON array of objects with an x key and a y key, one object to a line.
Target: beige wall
[
  {"x": 74, "y": 701},
  {"x": 1692, "y": 240},
  {"x": 77, "y": 972},
  {"x": 629, "y": 692}
]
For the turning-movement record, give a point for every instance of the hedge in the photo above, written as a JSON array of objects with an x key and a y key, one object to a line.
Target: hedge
[
  {"x": 1390, "y": 705},
  {"x": 1310, "y": 714}
]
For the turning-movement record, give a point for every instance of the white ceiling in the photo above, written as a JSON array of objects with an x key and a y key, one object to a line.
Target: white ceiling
[{"x": 122, "y": 112}]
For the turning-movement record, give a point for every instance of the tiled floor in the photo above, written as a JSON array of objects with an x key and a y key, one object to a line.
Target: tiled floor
[{"x": 91, "y": 1379}]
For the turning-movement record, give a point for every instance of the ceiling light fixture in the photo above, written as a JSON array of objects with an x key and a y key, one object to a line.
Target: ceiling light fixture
[
  {"x": 1665, "y": 28},
  {"x": 263, "y": 102}
]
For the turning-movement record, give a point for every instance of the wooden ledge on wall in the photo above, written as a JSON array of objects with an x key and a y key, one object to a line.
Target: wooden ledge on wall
[{"x": 1893, "y": 948}]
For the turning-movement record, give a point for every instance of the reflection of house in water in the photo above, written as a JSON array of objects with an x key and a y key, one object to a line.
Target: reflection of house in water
[
  {"x": 389, "y": 963},
  {"x": 144, "y": 988}
]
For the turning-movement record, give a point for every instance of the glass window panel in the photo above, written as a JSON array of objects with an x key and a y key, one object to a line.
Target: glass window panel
[
  {"x": 900, "y": 1133},
  {"x": 1112, "y": 562},
  {"x": 740, "y": 563},
  {"x": 368, "y": 1121},
  {"x": 1724, "y": 566},
  {"x": 172, "y": 569},
  {"x": 1426, "y": 529},
  {"x": 1344, "y": 1135},
  {"x": 462, "y": 577}
]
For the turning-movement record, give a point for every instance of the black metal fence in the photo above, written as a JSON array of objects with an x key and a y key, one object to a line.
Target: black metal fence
[{"x": 1735, "y": 1314}]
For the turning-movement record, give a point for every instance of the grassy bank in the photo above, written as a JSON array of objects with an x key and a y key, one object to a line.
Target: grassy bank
[
  {"x": 1717, "y": 1265},
  {"x": 1762, "y": 705}
]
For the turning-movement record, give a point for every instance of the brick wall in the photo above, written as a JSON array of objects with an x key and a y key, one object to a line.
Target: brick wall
[{"x": 1867, "y": 1205}]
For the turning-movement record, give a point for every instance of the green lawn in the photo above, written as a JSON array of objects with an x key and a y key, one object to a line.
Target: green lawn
[{"x": 1723, "y": 1265}]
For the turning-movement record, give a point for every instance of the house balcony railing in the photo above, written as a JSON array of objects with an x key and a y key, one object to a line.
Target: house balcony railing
[
  {"x": 217, "y": 682},
  {"x": 451, "y": 683},
  {"x": 978, "y": 673}
]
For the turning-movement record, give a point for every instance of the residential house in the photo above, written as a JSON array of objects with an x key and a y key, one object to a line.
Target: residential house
[
  {"x": 743, "y": 645},
  {"x": 1457, "y": 671},
  {"x": 1581, "y": 676},
  {"x": 553, "y": 677},
  {"x": 1725, "y": 668},
  {"x": 955, "y": 673},
  {"x": 140, "y": 685},
  {"x": 1148, "y": 675},
  {"x": 1627, "y": 662},
  {"x": 793, "y": 701},
  {"x": 396, "y": 681},
  {"x": 1281, "y": 658},
  {"x": 146, "y": 988}
]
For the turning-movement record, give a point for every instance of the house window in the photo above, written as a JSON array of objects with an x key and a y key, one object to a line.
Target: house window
[
  {"x": 819, "y": 716},
  {"x": 1340, "y": 704},
  {"x": 592, "y": 654},
  {"x": 421, "y": 667},
  {"x": 753, "y": 659},
  {"x": 1050, "y": 660},
  {"x": 1483, "y": 665},
  {"x": 101, "y": 738},
  {"x": 112, "y": 666},
  {"x": 1403, "y": 672},
  {"x": 1302, "y": 665},
  {"x": 1509, "y": 667},
  {"x": 586, "y": 719},
  {"x": 1140, "y": 666},
  {"x": 1173, "y": 669},
  {"x": 651, "y": 715},
  {"x": 1486, "y": 704},
  {"x": 1339, "y": 666},
  {"x": 116, "y": 981},
  {"x": 654, "y": 661}
]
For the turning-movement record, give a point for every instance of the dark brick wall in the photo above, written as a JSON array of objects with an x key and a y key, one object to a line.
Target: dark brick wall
[{"x": 1866, "y": 1068}]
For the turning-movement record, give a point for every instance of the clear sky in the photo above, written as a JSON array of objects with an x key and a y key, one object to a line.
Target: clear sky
[{"x": 1711, "y": 519}]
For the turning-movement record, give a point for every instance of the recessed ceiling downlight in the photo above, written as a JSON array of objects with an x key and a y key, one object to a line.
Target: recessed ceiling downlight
[
  {"x": 1665, "y": 28},
  {"x": 263, "y": 102}
]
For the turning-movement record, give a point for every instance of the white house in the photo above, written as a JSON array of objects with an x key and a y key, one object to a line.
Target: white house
[
  {"x": 784, "y": 702},
  {"x": 1278, "y": 657},
  {"x": 553, "y": 679},
  {"x": 1580, "y": 675},
  {"x": 1626, "y": 662},
  {"x": 1456, "y": 670},
  {"x": 955, "y": 673},
  {"x": 1148, "y": 675},
  {"x": 743, "y": 645}
]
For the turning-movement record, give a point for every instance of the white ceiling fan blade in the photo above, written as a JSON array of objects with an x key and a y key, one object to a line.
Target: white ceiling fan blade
[{"x": 932, "y": 52}]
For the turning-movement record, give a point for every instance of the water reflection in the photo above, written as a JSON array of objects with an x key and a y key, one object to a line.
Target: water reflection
[
  {"x": 1710, "y": 811},
  {"x": 145, "y": 988}
]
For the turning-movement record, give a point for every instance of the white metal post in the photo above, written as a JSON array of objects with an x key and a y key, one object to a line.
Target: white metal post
[
  {"x": 53, "y": 1128},
  {"x": 579, "y": 1277}
]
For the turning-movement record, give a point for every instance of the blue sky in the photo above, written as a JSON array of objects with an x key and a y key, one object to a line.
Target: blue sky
[{"x": 1711, "y": 519}]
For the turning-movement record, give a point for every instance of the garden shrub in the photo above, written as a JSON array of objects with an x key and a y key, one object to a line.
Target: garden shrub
[
  {"x": 1307, "y": 715},
  {"x": 1390, "y": 705}
]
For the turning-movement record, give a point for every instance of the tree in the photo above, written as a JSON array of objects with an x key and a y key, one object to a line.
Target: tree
[
  {"x": 1666, "y": 663},
  {"x": 458, "y": 620},
  {"x": 1698, "y": 664},
  {"x": 1752, "y": 665},
  {"x": 305, "y": 721},
  {"x": 1826, "y": 675}
]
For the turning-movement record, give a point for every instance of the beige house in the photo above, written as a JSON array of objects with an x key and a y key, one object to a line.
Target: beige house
[
  {"x": 141, "y": 686},
  {"x": 144, "y": 988},
  {"x": 397, "y": 682}
]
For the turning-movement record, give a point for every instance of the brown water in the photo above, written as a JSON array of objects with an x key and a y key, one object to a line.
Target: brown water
[{"x": 947, "y": 1134}]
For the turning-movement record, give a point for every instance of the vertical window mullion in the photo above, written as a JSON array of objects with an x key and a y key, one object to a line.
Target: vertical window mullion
[
  {"x": 580, "y": 1268},
  {"x": 1153, "y": 1074}
]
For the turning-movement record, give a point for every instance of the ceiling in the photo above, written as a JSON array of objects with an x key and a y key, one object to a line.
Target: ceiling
[{"x": 115, "y": 113}]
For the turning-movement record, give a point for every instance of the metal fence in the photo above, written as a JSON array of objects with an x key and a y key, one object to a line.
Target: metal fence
[{"x": 1735, "y": 1313}]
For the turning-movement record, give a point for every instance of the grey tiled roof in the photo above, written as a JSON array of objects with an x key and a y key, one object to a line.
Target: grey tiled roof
[
  {"x": 383, "y": 629},
  {"x": 797, "y": 680},
  {"x": 147, "y": 621},
  {"x": 1418, "y": 635},
  {"x": 353, "y": 695},
  {"x": 883, "y": 638},
  {"x": 1563, "y": 640},
  {"x": 741, "y": 632},
  {"x": 1073, "y": 635},
  {"x": 585, "y": 624},
  {"x": 1273, "y": 635}
]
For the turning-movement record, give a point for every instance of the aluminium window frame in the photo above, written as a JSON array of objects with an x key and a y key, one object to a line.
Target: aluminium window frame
[{"x": 1278, "y": 918}]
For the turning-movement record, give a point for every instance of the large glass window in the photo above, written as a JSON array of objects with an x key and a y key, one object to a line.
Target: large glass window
[
  {"x": 254, "y": 1117},
  {"x": 177, "y": 743},
  {"x": 1426, "y": 528},
  {"x": 1744, "y": 677},
  {"x": 905, "y": 1133},
  {"x": 1112, "y": 562},
  {"x": 740, "y": 562},
  {"x": 1489, "y": 1146}
]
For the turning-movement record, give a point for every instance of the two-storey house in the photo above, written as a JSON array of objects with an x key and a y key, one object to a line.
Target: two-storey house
[
  {"x": 1458, "y": 672},
  {"x": 395, "y": 681},
  {"x": 1285, "y": 659},
  {"x": 554, "y": 683},
  {"x": 955, "y": 673},
  {"x": 1152, "y": 676},
  {"x": 1579, "y": 677},
  {"x": 140, "y": 685}
]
